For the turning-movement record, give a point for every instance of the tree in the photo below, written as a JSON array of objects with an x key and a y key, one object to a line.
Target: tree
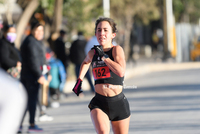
[
  {"x": 57, "y": 18},
  {"x": 53, "y": 10},
  {"x": 80, "y": 14},
  {"x": 125, "y": 11},
  {"x": 186, "y": 10},
  {"x": 52, "y": 13},
  {"x": 8, "y": 4},
  {"x": 24, "y": 19}
]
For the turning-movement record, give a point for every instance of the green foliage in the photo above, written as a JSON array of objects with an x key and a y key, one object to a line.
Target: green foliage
[
  {"x": 145, "y": 10},
  {"x": 186, "y": 10},
  {"x": 49, "y": 6},
  {"x": 81, "y": 13},
  {"x": 2, "y": 1}
]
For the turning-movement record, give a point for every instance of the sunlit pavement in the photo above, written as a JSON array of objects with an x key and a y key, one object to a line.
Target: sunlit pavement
[{"x": 161, "y": 101}]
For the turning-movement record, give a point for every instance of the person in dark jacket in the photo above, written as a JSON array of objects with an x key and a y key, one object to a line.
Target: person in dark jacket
[
  {"x": 77, "y": 56},
  {"x": 9, "y": 55},
  {"x": 59, "y": 49},
  {"x": 33, "y": 58}
]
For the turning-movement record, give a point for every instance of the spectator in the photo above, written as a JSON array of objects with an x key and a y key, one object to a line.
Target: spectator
[
  {"x": 59, "y": 47},
  {"x": 77, "y": 56},
  {"x": 13, "y": 100},
  {"x": 93, "y": 41},
  {"x": 9, "y": 55},
  {"x": 31, "y": 75},
  {"x": 58, "y": 74},
  {"x": 155, "y": 40}
]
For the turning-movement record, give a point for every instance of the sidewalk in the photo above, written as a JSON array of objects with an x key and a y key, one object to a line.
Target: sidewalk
[{"x": 141, "y": 67}]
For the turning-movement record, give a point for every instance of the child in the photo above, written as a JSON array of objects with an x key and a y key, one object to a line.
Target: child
[{"x": 58, "y": 74}]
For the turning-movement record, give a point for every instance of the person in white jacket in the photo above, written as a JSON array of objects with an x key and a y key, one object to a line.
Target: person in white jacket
[{"x": 13, "y": 98}]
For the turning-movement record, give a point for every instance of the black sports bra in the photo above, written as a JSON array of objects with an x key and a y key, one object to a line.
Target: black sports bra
[{"x": 101, "y": 72}]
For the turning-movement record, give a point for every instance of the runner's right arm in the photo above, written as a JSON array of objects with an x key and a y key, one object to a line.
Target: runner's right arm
[
  {"x": 86, "y": 64},
  {"x": 84, "y": 68}
]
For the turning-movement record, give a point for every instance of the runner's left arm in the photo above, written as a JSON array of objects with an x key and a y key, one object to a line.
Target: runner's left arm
[{"x": 118, "y": 66}]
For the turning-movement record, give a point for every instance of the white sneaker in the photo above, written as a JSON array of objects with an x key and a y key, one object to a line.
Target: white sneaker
[
  {"x": 55, "y": 104},
  {"x": 45, "y": 117}
]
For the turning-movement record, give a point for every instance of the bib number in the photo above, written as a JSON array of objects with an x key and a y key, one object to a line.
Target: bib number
[{"x": 101, "y": 72}]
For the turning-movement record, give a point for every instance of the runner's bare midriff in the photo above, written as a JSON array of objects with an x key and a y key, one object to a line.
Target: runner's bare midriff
[{"x": 108, "y": 90}]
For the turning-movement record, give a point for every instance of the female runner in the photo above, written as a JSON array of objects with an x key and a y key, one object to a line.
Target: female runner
[{"x": 108, "y": 62}]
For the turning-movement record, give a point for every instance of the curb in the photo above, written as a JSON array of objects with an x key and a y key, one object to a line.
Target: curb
[{"x": 157, "y": 67}]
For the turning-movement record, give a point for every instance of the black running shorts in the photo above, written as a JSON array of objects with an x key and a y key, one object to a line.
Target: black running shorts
[{"x": 116, "y": 107}]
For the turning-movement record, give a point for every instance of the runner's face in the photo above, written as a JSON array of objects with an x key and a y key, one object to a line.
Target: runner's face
[{"x": 104, "y": 33}]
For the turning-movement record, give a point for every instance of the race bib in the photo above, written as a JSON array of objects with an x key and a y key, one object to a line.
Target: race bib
[{"x": 101, "y": 72}]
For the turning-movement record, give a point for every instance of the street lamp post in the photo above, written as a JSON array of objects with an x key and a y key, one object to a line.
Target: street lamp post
[{"x": 106, "y": 8}]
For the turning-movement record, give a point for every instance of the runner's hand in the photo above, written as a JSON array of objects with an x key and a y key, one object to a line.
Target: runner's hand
[
  {"x": 99, "y": 50},
  {"x": 77, "y": 88}
]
